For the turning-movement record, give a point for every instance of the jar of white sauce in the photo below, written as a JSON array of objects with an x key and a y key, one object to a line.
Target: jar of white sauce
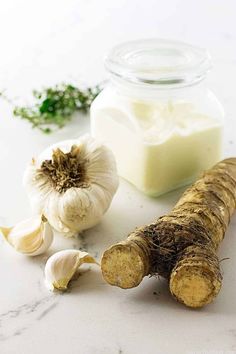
[{"x": 157, "y": 115}]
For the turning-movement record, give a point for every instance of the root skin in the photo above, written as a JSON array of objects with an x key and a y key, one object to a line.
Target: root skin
[{"x": 181, "y": 246}]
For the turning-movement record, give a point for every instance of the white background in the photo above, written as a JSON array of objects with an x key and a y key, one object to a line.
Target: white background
[{"x": 47, "y": 41}]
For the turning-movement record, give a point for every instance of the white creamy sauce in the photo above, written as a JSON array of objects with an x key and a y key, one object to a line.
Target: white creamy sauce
[{"x": 158, "y": 146}]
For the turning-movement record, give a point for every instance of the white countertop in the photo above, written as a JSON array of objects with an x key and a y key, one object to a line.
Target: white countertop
[{"x": 50, "y": 41}]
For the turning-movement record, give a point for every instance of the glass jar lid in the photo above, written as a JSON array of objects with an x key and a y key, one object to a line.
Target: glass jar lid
[{"x": 158, "y": 62}]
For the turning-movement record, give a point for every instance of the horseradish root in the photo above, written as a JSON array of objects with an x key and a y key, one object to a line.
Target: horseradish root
[{"x": 181, "y": 246}]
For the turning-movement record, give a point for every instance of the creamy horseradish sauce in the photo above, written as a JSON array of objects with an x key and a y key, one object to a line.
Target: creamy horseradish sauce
[
  {"x": 157, "y": 115},
  {"x": 158, "y": 146}
]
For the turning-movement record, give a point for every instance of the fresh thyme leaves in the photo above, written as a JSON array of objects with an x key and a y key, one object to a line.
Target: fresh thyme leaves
[{"x": 55, "y": 106}]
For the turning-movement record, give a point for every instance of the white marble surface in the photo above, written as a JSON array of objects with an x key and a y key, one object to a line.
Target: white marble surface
[{"x": 48, "y": 41}]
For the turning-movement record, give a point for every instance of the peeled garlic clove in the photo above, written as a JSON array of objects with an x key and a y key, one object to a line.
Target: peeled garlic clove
[
  {"x": 61, "y": 267},
  {"x": 31, "y": 237},
  {"x": 72, "y": 183}
]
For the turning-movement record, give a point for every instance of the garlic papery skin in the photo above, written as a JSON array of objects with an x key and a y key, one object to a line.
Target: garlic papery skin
[
  {"x": 72, "y": 183},
  {"x": 61, "y": 267},
  {"x": 31, "y": 237}
]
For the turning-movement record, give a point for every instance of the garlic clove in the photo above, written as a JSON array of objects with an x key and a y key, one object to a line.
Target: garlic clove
[
  {"x": 71, "y": 214},
  {"x": 47, "y": 236},
  {"x": 61, "y": 267},
  {"x": 51, "y": 211},
  {"x": 5, "y": 231},
  {"x": 32, "y": 236}
]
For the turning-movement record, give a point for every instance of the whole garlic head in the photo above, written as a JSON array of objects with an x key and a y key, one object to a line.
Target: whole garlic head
[
  {"x": 61, "y": 267},
  {"x": 72, "y": 183},
  {"x": 31, "y": 237}
]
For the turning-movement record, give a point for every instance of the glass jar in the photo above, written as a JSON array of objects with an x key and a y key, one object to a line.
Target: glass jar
[{"x": 157, "y": 115}]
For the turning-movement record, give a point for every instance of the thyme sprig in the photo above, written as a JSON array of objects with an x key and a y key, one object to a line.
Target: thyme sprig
[{"x": 55, "y": 106}]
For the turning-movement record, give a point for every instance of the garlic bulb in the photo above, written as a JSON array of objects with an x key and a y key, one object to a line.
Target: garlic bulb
[
  {"x": 61, "y": 267},
  {"x": 31, "y": 237},
  {"x": 72, "y": 183}
]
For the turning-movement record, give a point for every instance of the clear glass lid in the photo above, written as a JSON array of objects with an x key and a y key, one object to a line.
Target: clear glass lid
[{"x": 158, "y": 62}]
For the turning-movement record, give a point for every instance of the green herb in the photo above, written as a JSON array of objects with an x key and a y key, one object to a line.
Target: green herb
[{"x": 54, "y": 107}]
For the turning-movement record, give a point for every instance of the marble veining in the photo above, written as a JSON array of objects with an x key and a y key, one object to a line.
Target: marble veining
[
  {"x": 27, "y": 314},
  {"x": 52, "y": 41}
]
